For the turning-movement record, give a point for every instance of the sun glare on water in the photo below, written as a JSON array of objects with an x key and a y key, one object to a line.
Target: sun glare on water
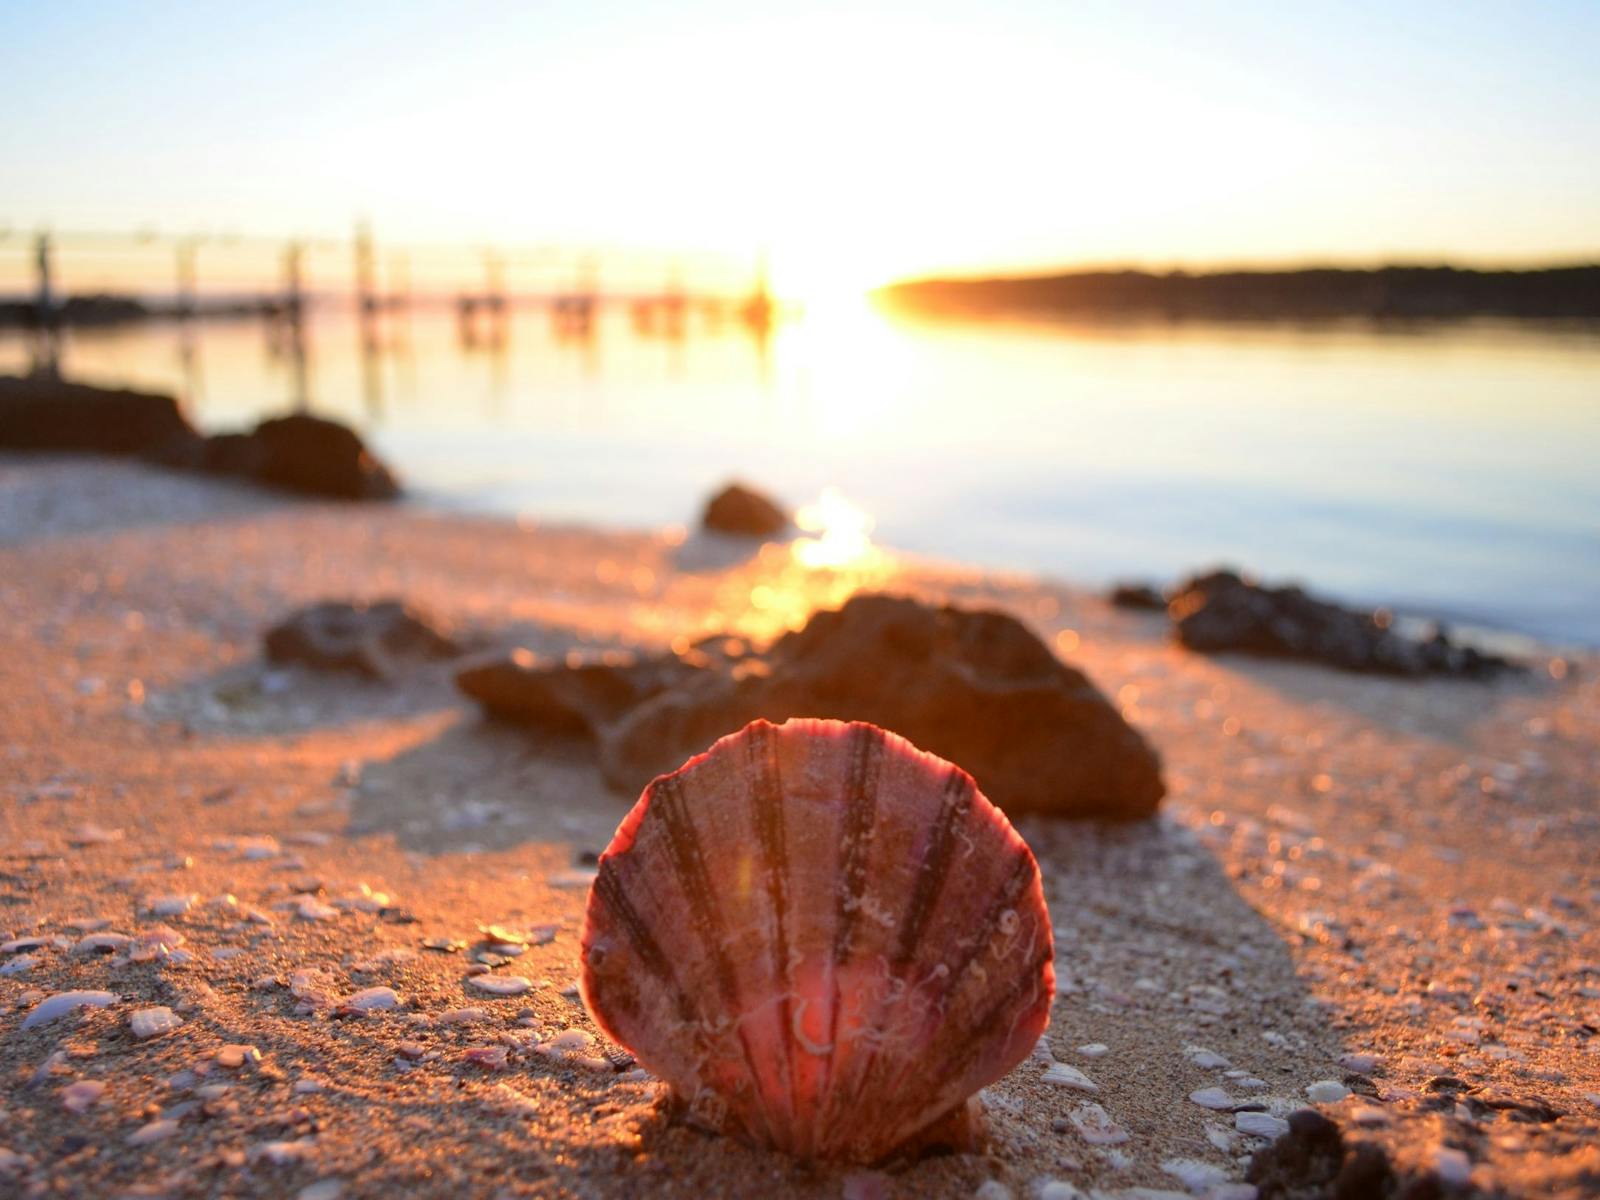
[{"x": 838, "y": 533}]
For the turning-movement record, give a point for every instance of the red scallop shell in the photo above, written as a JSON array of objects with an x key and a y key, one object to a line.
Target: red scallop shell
[{"x": 824, "y": 939}]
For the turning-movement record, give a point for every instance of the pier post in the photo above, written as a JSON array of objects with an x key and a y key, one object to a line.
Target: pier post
[{"x": 47, "y": 356}]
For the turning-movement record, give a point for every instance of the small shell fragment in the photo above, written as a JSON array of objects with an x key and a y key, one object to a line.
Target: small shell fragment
[
  {"x": 153, "y": 1022},
  {"x": 62, "y": 1003},
  {"x": 1065, "y": 1076},
  {"x": 500, "y": 985}
]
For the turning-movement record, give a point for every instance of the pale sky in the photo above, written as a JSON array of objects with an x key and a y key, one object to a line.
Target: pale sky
[{"x": 859, "y": 141}]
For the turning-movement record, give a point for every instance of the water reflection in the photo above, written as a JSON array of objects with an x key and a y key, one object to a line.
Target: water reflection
[{"x": 1444, "y": 468}]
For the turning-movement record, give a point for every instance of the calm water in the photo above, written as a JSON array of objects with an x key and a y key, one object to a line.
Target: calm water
[{"x": 1444, "y": 469}]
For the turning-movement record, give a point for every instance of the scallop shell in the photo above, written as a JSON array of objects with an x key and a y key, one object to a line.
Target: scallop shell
[{"x": 824, "y": 939}]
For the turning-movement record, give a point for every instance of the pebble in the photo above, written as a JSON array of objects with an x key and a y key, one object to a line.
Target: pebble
[
  {"x": 63, "y": 1003},
  {"x": 83, "y": 1095},
  {"x": 1452, "y": 1166},
  {"x": 90, "y": 834},
  {"x": 1065, "y": 1076},
  {"x": 309, "y": 908},
  {"x": 500, "y": 985},
  {"x": 323, "y": 1189},
  {"x": 279, "y": 1153},
  {"x": 235, "y": 1056},
  {"x": 1056, "y": 1189},
  {"x": 463, "y": 1016},
  {"x": 1260, "y": 1124},
  {"x": 153, "y": 1132},
  {"x": 21, "y": 963},
  {"x": 1363, "y": 1063},
  {"x": 153, "y": 1022},
  {"x": 1211, "y": 1097},
  {"x": 1093, "y": 1049},
  {"x": 303, "y": 1087},
  {"x": 1326, "y": 1091},
  {"x": 992, "y": 1189},
  {"x": 373, "y": 998},
  {"x": 101, "y": 943},
  {"x": 170, "y": 906},
  {"x": 1096, "y": 1127}
]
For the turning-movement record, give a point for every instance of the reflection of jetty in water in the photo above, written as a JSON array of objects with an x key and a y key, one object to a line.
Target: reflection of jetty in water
[{"x": 576, "y": 302}]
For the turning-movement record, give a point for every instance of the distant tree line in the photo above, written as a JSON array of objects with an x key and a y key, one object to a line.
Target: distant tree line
[{"x": 1399, "y": 292}]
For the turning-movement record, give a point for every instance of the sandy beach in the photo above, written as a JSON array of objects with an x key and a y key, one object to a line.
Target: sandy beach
[{"x": 1384, "y": 892}]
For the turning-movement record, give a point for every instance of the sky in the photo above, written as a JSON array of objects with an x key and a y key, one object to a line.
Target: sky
[{"x": 855, "y": 142}]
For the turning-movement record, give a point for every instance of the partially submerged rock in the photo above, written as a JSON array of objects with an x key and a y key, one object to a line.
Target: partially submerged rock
[
  {"x": 1221, "y": 611},
  {"x": 302, "y": 453},
  {"x": 571, "y": 699},
  {"x": 42, "y": 412},
  {"x": 1140, "y": 597},
  {"x": 974, "y": 687},
  {"x": 297, "y": 453},
  {"x": 358, "y": 636},
  {"x": 742, "y": 510}
]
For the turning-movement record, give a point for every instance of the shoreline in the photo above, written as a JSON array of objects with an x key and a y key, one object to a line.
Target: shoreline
[{"x": 1346, "y": 866}]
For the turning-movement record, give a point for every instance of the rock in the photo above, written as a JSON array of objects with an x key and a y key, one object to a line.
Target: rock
[
  {"x": 1313, "y": 1159},
  {"x": 742, "y": 510},
  {"x": 357, "y": 636},
  {"x": 232, "y": 454},
  {"x": 1223, "y": 612},
  {"x": 1139, "y": 596},
  {"x": 574, "y": 700},
  {"x": 45, "y": 413},
  {"x": 297, "y": 453},
  {"x": 302, "y": 453},
  {"x": 974, "y": 687}
]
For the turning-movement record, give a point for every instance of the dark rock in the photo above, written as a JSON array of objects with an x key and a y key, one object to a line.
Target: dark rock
[
  {"x": 744, "y": 511},
  {"x": 1139, "y": 596},
  {"x": 45, "y": 413},
  {"x": 232, "y": 454},
  {"x": 1304, "y": 1161},
  {"x": 974, "y": 687},
  {"x": 321, "y": 458},
  {"x": 1222, "y": 612},
  {"x": 571, "y": 700},
  {"x": 1365, "y": 1174},
  {"x": 298, "y": 453},
  {"x": 359, "y": 637}
]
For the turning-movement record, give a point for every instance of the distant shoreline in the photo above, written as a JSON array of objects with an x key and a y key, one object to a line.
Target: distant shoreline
[{"x": 1385, "y": 292}]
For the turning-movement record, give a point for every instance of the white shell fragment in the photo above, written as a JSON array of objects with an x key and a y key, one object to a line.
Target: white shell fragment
[
  {"x": 372, "y": 998},
  {"x": 1096, "y": 1127},
  {"x": 1260, "y": 1124},
  {"x": 1208, "y": 1060},
  {"x": 155, "y": 1131},
  {"x": 1066, "y": 1076},
  {"x": 500, "y": 985},
  {"x": 170, "y": 906},
  {"x": 1327, "y": 1091},
  {"x": 63, "y": 1003},
  {"x": 83, "y": 1095},
  {"x": 1211, "y": 1097},
  {"x": 153, "y": 1022}
]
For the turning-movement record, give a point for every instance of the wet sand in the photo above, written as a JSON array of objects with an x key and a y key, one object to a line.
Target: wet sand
[{"x": 1388, "y": 885}]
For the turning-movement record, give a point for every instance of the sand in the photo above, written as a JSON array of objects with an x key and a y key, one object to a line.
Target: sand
[{"x": 1345, "y": 867}]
